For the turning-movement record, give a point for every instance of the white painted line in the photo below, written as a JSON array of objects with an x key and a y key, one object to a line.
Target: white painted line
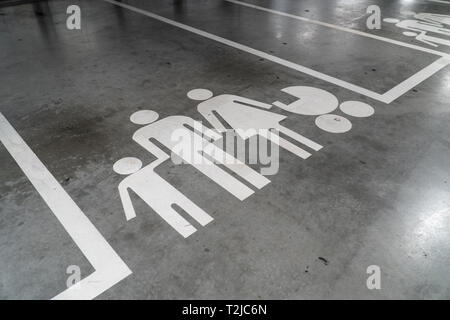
[
  {"x": 386, "y": 98},
  {"x": 333, "y": 26},
  {"x": 109, "y": 267},
  {"x": 399, "y": 89},
  {"x": 255, "y": 52},
  {"x": 414, "y": 80},
  {"x": 440, "y": 1}
]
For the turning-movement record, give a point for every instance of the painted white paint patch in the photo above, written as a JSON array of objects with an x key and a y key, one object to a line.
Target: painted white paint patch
[
  {"x": 391, "y": 20},
  {"x": 333, "y": 123},
  {"x": 199, "y": 94},
  {"x": 410, "y": 34},
  {"x": 357, "y": 109},
  {"x": 312, "y": 101},
  {"x": 144, "y": 117},
  {"x": 127, "y": 165}
]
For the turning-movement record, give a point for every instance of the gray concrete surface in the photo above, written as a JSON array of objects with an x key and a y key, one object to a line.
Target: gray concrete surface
[{"x": 377, "y": 195}]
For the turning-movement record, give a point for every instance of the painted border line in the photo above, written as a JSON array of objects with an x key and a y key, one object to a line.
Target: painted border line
[
  {"x": 388, "y": 97},
  {"x": 440, "y": 1},
  {"x": 416, "y": 79},
  {"x": 109, "y": 267},
  {"x": 255, "y": 52},
  {"x": 399, "y": 89},
  {"x": 333, "y": 26}
]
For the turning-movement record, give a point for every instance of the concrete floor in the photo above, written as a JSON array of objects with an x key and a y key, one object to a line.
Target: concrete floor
[{"x": 376, "y": 195}]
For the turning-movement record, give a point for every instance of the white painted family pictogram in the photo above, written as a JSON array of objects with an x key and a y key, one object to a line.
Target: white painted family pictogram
[
  {"x": 196, "y": 144},
  {"x": 429, "y": 28}
]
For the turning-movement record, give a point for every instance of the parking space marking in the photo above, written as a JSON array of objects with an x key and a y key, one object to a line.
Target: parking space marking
[
  {"x": 109, "y": 267},
  {"x": 416, "y": 79},
  {"x": 387, "y": 97},
  {"x": 341, "y": 28},
  {"x": 440, "y": 1},
  {"x": 399, "y": 89}
]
